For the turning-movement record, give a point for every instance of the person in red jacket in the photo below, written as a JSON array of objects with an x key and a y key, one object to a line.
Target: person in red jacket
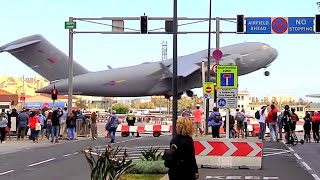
[
  {"x": 315, "y": 126},
  {"x": 272, "y": 121},
  {"x": 34, "y": 124}
]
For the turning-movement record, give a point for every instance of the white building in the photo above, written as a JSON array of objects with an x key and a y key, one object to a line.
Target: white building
[{"x": 244, "y": 99}]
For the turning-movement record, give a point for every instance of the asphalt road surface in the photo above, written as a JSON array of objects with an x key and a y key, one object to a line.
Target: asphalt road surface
[{"x": 63, "y": 161}]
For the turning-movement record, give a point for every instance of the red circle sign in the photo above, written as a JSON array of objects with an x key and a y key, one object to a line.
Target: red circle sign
[
  {"x": 279, "y": 25},
  {"x": 214, "y": 68},
  {"x": 46, "y": 105},
  {"x": 217, "y": 54},
  {"x": 208, "y": 89}
]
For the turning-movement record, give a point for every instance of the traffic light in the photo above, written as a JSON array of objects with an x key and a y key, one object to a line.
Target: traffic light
[
  {"x": 143, "y": 24},
  {"x": 240, "y": 23},
  {"x": 317, "y": 23},
  {"x": 215, "y": 93},
  {"x": 169, "y": 26},
  {"x": 54, "y": 94}
]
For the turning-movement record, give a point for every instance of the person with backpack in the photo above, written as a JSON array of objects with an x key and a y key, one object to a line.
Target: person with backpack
[
  {"x": 272, "y": 121},
  {"x": 286, "y": 119},
  {"x": 112, "y": 126},
  {"x": 280, "y": 125},
  {"x": 307, "y": 127},
  {"x": 262, "y": 122},
  {"x": 215, "y": 121},
  {"x": 240, "y": 117}
]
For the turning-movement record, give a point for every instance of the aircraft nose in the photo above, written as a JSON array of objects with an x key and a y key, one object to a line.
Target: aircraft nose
[{"x": 272, "y": 53}]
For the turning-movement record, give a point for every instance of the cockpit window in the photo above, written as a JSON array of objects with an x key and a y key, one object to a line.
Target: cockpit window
[{"x": 265, "y": 47}]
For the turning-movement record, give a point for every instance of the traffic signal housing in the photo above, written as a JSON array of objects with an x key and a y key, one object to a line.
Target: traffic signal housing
[
  {"x": 317, "y": 28},
  {"x": 143, "y": 24},
  {"x": 54, "y": 94},
  {"x": 240, "y": 23}
]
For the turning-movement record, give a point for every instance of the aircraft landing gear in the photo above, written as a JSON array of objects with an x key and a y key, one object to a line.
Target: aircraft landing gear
[{"x": 266, "y": 73}]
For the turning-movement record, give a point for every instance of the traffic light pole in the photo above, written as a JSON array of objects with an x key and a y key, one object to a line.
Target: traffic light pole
[
  {"x": 70, "y": 90},
  {"x": 175, "y": 69},
  {"x": 208, "y": 68}
]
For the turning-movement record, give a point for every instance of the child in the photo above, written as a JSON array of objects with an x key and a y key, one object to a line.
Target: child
[{"x": 307, "y": 127}]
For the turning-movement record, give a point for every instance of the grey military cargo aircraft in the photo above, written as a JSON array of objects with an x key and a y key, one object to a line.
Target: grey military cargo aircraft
[{"x": 148, "y": 79}]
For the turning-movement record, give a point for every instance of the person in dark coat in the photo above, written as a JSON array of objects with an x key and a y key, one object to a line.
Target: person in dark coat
[
  {"x": 55, "y": 125},
  {"x": 185, "y": 161}
]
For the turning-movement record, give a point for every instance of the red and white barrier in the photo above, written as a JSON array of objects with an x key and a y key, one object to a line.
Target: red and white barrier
[
  {"x": 156, "y": 129},
  {"x": 229, "y": 153}
]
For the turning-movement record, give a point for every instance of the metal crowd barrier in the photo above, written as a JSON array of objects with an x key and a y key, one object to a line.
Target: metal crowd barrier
[{"x": 82, "y": 128}]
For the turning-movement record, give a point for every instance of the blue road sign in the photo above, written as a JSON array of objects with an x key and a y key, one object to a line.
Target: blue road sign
[
  {"x": 258, "y": 25},
  {"x": 222, "y": 102},
  {"x": 227, "y": 79},
  {"x": 280, "y": 25},
  {"x": 301, "y": 25}
]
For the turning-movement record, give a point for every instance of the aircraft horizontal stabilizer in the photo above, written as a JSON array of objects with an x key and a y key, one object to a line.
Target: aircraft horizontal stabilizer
[{"x": 43, "y": 57}]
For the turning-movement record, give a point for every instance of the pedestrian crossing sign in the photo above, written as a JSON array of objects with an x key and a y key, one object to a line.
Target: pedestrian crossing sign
[{"x": 227, "y": 77}]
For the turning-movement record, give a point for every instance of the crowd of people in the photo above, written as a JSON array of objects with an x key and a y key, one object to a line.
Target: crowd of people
[{"x": 52, "y": 124}]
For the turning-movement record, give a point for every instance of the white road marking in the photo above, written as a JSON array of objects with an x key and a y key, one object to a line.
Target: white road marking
[
  {"x": 120, "y": 142},
  {"x": 270, "y": 177},
  {"x": 307, "y": 166},
  {"x": 274, "y": 149},
  {"x": 66, "y": 155},
  {"x": 272, "y": 154},
  {"x": 7, "y": 172},
  {"x": 290, "y": 148},
  {"x": 252, "y": 177},
  {"x": 41, "y": 162},
  {"x": 297, "y": 156},
  {"x": 75, "y": 153},
  {"x": 316, "y": 177}
]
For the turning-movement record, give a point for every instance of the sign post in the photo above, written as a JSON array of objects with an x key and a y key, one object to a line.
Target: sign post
[
  {"x": 227, "y": 94},
  {"x": 70, "y": 25}
]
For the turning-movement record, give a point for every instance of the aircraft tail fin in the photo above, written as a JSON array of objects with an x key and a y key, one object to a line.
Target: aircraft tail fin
[{"x": 43, "y": 57}]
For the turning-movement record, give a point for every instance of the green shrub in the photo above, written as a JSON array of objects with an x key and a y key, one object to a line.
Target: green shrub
[
  {"x": 148, "y": 167},
  {"x": 151, "y": 154},
  {"x": 107, "y": 166}
]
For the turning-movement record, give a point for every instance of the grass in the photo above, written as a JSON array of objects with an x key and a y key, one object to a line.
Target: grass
[{"x": 141, "y": 176}]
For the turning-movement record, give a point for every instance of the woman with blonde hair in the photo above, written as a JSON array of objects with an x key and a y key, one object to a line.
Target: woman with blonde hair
[
  {"x": 94, "y": 128},
  {"x": 185, "y": 166}
]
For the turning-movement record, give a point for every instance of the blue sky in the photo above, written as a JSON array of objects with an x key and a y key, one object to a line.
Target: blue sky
[{"x": 294, "y": 71}]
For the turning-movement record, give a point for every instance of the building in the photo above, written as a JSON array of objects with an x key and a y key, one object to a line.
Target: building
[
  {"x": 244, "y": 99},
  {"x": 19, "y": 85},
  {"x": 8, "y": 100}
]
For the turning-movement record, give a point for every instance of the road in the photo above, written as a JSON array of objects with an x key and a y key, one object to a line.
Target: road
[{"x": 63, "y": 161}]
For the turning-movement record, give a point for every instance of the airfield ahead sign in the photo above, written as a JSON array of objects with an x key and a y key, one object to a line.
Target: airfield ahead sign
[{"x": 280, "y": 25}]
